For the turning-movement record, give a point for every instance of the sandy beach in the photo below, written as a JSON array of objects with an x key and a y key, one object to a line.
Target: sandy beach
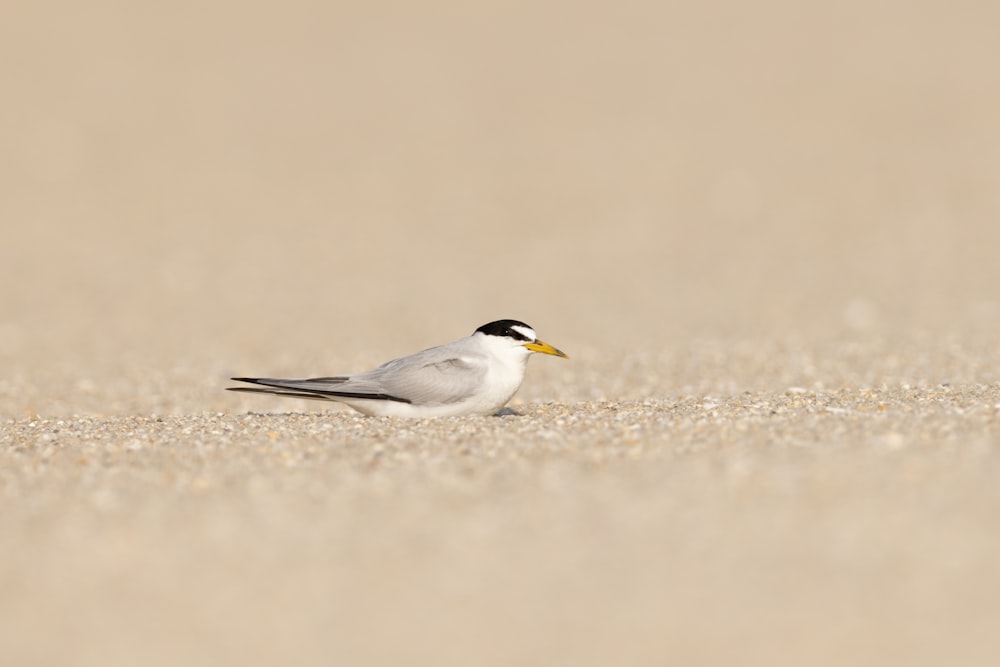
[{"x": 765, "y": 236}]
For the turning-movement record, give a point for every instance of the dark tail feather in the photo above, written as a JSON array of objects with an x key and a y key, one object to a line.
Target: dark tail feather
[
  {"x": 288, "y": 388},
  {"x": 279, "y": 392}
]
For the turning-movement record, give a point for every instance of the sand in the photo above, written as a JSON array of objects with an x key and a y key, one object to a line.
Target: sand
[{"x": 765, "y": 236}]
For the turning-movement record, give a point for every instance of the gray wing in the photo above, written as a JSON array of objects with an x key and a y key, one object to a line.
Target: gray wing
[{"x": 438, "y": 376}]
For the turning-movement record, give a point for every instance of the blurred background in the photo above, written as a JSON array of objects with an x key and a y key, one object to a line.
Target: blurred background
[{"x": 190, "y": 190}]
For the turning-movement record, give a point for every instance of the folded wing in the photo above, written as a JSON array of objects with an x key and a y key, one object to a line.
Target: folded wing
[{"x": 433, "y": 377}]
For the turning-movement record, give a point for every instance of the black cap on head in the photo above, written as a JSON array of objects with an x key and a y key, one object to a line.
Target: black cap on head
[{"x": 509, "y": 328}]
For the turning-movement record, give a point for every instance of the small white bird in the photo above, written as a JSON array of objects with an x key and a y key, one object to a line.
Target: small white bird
[{"x": 475, "y": 375}]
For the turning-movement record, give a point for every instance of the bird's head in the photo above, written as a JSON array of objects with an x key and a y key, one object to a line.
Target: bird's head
[{"x": 514, "y": 335}]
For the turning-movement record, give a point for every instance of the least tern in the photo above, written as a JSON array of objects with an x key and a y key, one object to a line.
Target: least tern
[{"x": 475, "y": 375}]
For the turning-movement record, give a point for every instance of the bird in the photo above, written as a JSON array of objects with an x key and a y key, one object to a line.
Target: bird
[{"x": 474, "y": 375}]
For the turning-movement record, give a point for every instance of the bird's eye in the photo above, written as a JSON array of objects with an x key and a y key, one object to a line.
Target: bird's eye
[{"x": 515, "y": 334}]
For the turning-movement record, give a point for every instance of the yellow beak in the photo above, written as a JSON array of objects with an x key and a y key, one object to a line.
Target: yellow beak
[{"x": 545, "y": 348}]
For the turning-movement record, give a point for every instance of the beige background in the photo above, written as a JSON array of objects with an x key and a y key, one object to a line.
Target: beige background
[{"x": 795, "y": 200}]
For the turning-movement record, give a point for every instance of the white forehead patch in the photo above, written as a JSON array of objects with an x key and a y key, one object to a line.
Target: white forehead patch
[{"x": 527, "y": 332}]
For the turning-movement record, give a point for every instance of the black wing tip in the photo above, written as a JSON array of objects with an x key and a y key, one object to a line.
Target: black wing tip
[
  {"x": 264, "y": 382},
  {"x": 371, "y": 397},
  {"x": 305, "y": 393}
]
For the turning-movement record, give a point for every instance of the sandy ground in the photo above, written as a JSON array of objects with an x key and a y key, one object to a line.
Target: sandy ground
[{"x": 766, "y": 236}]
